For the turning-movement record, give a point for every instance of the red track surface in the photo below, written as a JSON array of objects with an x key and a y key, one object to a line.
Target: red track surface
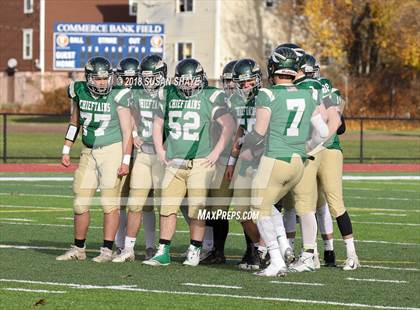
[{"x": 347, "y": 168}]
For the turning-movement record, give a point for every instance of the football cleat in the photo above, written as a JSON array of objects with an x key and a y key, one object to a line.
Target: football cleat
[
  {"x": 317, "y": 263},
  {"x": 264, "y": 258},
  {"x": 150, "y": 252},
  {"x": 289, "y": 256},
  {"x": 193, "y": 256},
  {"x": 126, "y": 255},
  {"x": 104, "y": 256},
  {"x": 161, "y": 258},
  {"x": 329, "y": 259},
  {"x": 252, "y": 260},
  {"x": 215, "y": 258},
  {"x": 352, "y": 263},
  {"x": 204, "y": 254},
  {"x": 75, "y": 253},
  {"x": 272, "y": 271},
  {"x": 303, "y": 264}
]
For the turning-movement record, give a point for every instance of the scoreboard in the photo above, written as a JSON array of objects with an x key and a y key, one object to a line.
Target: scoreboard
[{"x": 75, "y": 43}]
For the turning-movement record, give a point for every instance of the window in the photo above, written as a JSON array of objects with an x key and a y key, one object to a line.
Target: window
[
  {"x": 27, "y": 44},
  {"x": 28, "y": 6},
  {"x": 184, "y": 50},
  {"x": 270, "y": 3},
  {"x": 132, "y": 7},
  {"x": 184, "y": 6}
]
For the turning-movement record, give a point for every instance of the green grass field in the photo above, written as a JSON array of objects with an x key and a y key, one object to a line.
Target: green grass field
[{"x": 36, "y": 226}]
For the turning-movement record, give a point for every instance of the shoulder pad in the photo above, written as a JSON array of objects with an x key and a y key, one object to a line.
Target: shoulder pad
[{"x": 268, "y": 92}]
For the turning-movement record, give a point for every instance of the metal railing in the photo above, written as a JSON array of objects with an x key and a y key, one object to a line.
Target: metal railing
[{"x": 352, "y": 153}]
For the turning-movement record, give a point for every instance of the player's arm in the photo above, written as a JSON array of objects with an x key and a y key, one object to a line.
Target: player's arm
[
  {"x": 71, "y": 134},
  {"x": 331, "y": 113},
  {"x": 135, "y": 120},
  {"x": 225, "y": 120},
  {"x": 124, "y": 116},
  {"x": 157, "y": 134},
  {"x": 254, "y": 141}
]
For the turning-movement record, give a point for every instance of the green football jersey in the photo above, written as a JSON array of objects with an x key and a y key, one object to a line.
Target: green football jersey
[
  {"x": 312, "y": 85},
  {"x": 291, "y": 109},
  {"x": 187, "y": 121},
  {"x": 335, "y": 96},
  {"x": 98, "y": 115},
  {"x": 145, "y": 107},
  {"x": 244, "y": 112}
]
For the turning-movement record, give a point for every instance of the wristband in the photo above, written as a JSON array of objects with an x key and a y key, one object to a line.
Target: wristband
[
  {"x": 126, "y": 159},
  {"x": 66, "y": 150},
  {"x": 134, "y": 134},
  {"x": 71, "y": 133},
  {"x": 231, "y": 161}
]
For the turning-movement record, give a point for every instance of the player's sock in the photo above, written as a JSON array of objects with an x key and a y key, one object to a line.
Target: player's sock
[
  {"x": 149, "y": 222},
  {"x": 129, "y": 243},
  {"x": 122, "y": 229},
  {"x": 289, "y": 220},
  {"x": 196, "y": 243},
  {"x": 350, "y": 249},
  {"x": 208, "y": 238},
  {"x": 165, "y": 241},
  {"x": 80, "y": 243},
  {"x": 309, "y": 230},
  {"x": 108, "y": 244},
  {"x": 324, "y": 219},
  {"x": 268, "y": 234},
  {"x": 329, "y": 245},
  {"x": 277, "y": 220},
  {"x": 220, "y": 233}
]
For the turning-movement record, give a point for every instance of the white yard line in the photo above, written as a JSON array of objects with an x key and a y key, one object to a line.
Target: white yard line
[
  {"x": 35, "y": 195},
  {"x": 380, "y": 190},
  {"x": 376, "y": 280},
  {"x": 388, "y": 223},
  {"x": 243, "y": 297},
  {"x": 211, "y": 285},
  {"x": 32, "y": 291},
  {"x": 382, "y": 209},
  {"x": 16, "y": 219},
  {"x": 390, "y": 268},
  {"x": 298, "y": 283},
  {"x": 388, "y": 214},
  {"x": 380, "y": 198}
]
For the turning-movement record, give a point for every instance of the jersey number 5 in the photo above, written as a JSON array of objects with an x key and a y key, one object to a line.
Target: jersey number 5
[{"x": 297, "y": 107}]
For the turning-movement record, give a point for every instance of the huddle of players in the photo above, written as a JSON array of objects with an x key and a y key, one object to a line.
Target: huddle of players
[{"x": 284, "y": 152}]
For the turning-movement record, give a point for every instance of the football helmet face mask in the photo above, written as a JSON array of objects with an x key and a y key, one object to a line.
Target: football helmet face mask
[
  {"x": 99, "y": 76},
  {"x": 190, "y": 78},
  {"x": 283, "y": 61},
  {"x": 310, "y": 66},
  {"x": 153, "y": 73},
  {"x": 127, "y": 72},
  {"x": 247, "y": 77},
  {"x": 227, "y": 78}
]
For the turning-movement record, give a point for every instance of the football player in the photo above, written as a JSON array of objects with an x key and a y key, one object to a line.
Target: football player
[
  {"x": 189, "y": 107},
  {"x": 127, "y": 76},
  {"x": 330, "y": 175},
  {"x": 147, "y": 171},
  {"x": 285, "y": 112},
  {"x": 105, "y": 158},
  {"x": 247, "y": 78},
  {"x": 220, "y": 193}
]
